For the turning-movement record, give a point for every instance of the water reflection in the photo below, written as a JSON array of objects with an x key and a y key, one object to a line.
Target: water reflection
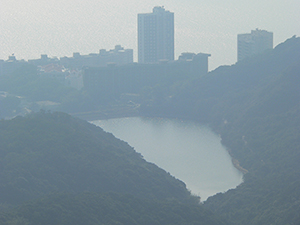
[{"x": 189, "y": 151}]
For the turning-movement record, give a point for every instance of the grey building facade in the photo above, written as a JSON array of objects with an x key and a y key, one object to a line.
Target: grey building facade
[
  {"x": 156, "y": 36},
  {"x": 253, "y": 43},
  {"x": 115, "y": 80}
]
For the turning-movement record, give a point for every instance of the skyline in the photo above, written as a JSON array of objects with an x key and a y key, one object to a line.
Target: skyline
[{"x": 59, "y": 28}]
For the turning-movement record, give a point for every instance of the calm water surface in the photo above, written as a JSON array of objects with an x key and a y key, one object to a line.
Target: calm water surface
[{"x": 189, "y": 151}]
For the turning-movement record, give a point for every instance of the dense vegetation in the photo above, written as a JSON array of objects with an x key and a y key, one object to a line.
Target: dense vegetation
[
  {"x": 25, "y": 88},
  {"x": 24, "y": 81},
  {"x": 47, "y": 152},
  {"x": 255, "y": 106},
  {"x": 9, "y": 105},
  {"x": 56, "y": 169},
  {"x": 111, "y": 208}
]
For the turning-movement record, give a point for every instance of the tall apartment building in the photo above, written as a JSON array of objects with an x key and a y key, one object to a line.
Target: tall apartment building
[
  {"x": 156, "y": 36},
  {"x": 254, "y": 43}
]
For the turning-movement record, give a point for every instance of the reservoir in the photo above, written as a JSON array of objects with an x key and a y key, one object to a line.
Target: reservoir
[{"x": 189, "y": 151}]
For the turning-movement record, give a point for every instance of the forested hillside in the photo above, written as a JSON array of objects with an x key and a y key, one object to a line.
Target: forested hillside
[
  {"x": 56, "y": 169},
  {"x": 110, "y": 208},
  {"x": 56, "y": 166},
  {"x": 46, "y": 152},
  {"x": 255, "y": 106}
]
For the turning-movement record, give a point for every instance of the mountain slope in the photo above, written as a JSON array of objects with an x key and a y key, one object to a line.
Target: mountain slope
[
  {"x": 111, "y": 208},
  {"x": 56, "y": 169},
  {"x": 53, "y": 152},
  {"x": 255, "y": 106},
  {"x": 266, "y": 139}
]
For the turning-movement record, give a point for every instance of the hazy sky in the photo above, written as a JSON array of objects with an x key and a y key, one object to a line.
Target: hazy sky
[{"x": 29, "y": 28}]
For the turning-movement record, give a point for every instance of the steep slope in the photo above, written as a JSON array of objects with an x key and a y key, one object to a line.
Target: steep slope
[
  {"x": 112, "y": 208},
  {"x": 266, "y": 139},
  {"x": 255, "y": 106},
  {"x": 56, "y": 169},
  {"x": 53, "y": 152}
]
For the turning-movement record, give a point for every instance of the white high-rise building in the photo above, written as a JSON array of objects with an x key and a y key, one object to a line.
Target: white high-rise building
[
  {"x": 156, "y": 36},
  {"x": 254, "y": 43}
]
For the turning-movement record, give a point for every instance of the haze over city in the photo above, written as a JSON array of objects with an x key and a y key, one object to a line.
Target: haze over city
[{"x": 59, "y": 28}]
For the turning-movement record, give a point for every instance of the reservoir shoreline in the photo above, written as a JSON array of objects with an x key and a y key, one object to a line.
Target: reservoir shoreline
[
  {"x": 133, "y": 112},
  {"x": 188, "y": 150}
]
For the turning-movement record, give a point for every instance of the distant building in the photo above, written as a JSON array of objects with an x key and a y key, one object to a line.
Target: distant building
[
  {"x": 54, "y": 71},
  {"x": 200, "y": 61},
  {"x": 9, "y": 66},
  {"x": 116, "y": 80},
  {"x": 44, "y": 60},
  {"x": 118, "y": 56},
  {"x": 75, "y": 79},
  {"x": 156, "y": 36},
  {"x": 254, "y": 43},
  {"x": 72, "y": 78}
]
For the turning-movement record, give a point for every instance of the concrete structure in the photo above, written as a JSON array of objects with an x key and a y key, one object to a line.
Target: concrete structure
[
  {"x": 254, "y": 43},
  {"x": 118, "y": 56},
  {"x": 75, "y": 79},
  {"x": 44, "y": 60},
  {"x": 54, "y": 71},
  {"x": 156, "y": 36},
  {"x": 113, "y": 80},
  {"x": 72, "y": 78},
  {"x": 9, "y": 66}
]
